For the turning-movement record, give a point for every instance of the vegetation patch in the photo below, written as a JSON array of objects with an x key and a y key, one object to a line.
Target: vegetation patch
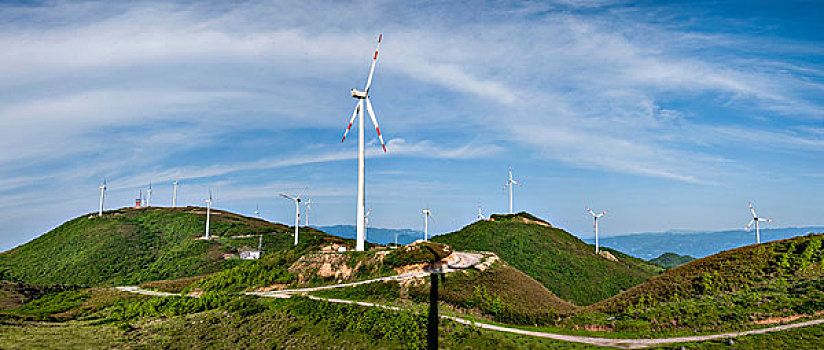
[
  {"x": 670, "y": 260},
  {"x": 417, "y": 253}
]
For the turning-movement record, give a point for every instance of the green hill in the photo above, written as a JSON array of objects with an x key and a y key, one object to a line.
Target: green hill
[
  {"x": 670, "y": 260},
  {"x": 563, "y": 263},
  {"x": 790, "y": 266},
  {"x": 129, "y": 246}
]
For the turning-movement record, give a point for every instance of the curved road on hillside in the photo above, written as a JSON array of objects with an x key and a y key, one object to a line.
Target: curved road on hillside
[{"x": 466, "y": 260}]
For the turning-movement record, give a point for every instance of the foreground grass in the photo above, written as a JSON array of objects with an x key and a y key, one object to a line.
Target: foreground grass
[{"x": 61, "y": 335}]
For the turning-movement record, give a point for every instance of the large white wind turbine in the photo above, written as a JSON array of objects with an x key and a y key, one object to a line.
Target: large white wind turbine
[
  {"x": 208, "y": 214},
  {"x": 308, "y": 205},
  {"x": 174, "y": 193},
  {"x": 595, "y": 225},
  {"x": 362, "y": 96},
  {"x": 149, "y": 195},
  {"x": 755, "y": 220},
  {"x": 509, "y": 184},
  {"x": 427, "y": 214},
  {"x": 102, "y": 197},
  {"x": 297, "y": 212}
]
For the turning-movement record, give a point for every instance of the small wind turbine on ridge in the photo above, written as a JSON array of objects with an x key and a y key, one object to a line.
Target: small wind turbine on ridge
[
  {"x": 755, "y": 220},
  {"x": 208, "y": 214},
  {"x": 308, "y": 205},
  {"x": 102, "y": 197},
  {"x": 362, "y": 96},
  {"x": 480, "y": 213},
  {"x": 296, "y": 199},
  {"x": 257, "y": 211},
  {"x": 174, "y": 193},
  {"x": 427, "y": 214},
  {"x": 595, "y": 217},
  {"x": 509, "y": 184},
  {"x": 149, "y": 195}
]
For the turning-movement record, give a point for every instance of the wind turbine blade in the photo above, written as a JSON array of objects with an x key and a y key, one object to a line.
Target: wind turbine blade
[
  {"x": 374, "y": 60},
  {"x": 375, "y": 122},
  {"x": 354, "y": 115},
  {"x": 286, "y": 196},
  {"x": 764, "y": 219},
  {"x": 302, "y": 192},
  {"x": 750, "y": 224},
  {"x": 590, "y": 211},
  {"x": 752, "y": 210}
]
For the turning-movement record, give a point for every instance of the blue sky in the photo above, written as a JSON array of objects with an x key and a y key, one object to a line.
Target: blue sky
[{"x": 669, "y": 115}]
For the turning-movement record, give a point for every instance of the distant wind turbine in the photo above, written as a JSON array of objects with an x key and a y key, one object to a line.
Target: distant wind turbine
[
  {"x": 308, "y": 205},
  {"x": 755, "y": 220},
  {"x": 257, "y": 211},
  {"x": 427, "y": 214},
  {"x": 595, "y": 217},
  {"x": 174, "y": 193},
  {"x": 296, "y": 199},
  {"x": 480, "y": 213},
  {"x": 366, "y": 216},
  {"x": 362, "y": 96},
  {"x": 208, "y": 214},
  {"x": 102, "y": 197},
  {"x": 149, "y": 195},
  {"x": 509, "y": 184}
]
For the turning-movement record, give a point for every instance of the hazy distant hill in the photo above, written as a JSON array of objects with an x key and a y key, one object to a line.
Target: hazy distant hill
[
  {"x": 373, "y": 234},
  {"x": 670, "y": 260},
  {"x": 563, "y": 263},
  {"x": 128, "y": 246},
  {"x": 697, "y": 244}
]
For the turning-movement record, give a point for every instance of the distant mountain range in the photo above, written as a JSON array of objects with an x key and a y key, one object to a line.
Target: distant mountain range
[
  {"x": 696, "y": 243},
  {"x": 374, "y": 234}
]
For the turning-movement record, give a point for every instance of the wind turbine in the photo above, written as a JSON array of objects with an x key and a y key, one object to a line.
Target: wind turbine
[
  {"x": 427, "y": 214},
  {"x": 297, "y": 212},
  {"x": 308, "y": 206},
  {"x": 509, "y": 184},
  {"x": 257, "y": 211},
  {"x": 366, "y": 217},
  {"x": 362, "y": 96},
  {"x": 102, "y": 197},
  {"x": 149, "y": 195},
  {"x": 595, "y": 225},
  {"x": 756, "y": 219},
  {"x": 480, "y": 213},
  {"x": 174, "y": 193},
  {"x": 208, "y": 214}
]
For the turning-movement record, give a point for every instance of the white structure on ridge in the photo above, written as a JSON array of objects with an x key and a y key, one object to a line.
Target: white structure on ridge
[
  {"x": 362, "y": 96},
  {"x": 297, "y": 212},
  {"x": 427, "y": 214},
  {"x": 509, "y": 184},
  {"x": 755, "y": 220},
  {"x": 174, "y": 193},
  {"x": 149, "y": 195},
  {"x": 208, "y": 214},
  {"x": 308, "y": 205},
  {"x": 102, "y": 197},
  {"x": 595, "y": 217}
]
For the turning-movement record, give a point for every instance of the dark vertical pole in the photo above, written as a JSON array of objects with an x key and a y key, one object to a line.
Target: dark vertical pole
[{"x": 432, "y": 325}]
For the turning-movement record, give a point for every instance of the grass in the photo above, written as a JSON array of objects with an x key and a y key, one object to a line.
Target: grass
[
  {"x": 417, "y": 253},
  {"x": 561, "y": 262},
  {"x": 670, "y": 260}
]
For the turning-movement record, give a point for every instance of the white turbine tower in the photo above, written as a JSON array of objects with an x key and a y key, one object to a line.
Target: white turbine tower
[
  {"x": 427, "y": 214},
  {"x": 755, "y": 220},
  {"x": 366, "y": 217},
  {"x": 297, "y": 212},
  {"x": 174, "y": 193},
  {"x": 362, "y": 96},
  {"x": 208, "y": 214},
  {"x": 149, "y": 195},
  {"x": 102, "y": 197},
  {"x": 257, "y": 211},
  {"x": 480, "y": 213},
  {"x": 509, "y": 184},
  {"x": 308, "y": 205},
  {"x": 595, "y": 225}
]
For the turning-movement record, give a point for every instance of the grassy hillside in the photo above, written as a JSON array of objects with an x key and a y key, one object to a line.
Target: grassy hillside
[
  {"x": 563, "y": 263},
  {"x": 670, "y": 260},
  {"x": 752, "y": 286},
  {"x": 129, "y": 246}
]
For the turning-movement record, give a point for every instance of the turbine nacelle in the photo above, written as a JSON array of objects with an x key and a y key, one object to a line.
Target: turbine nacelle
[{"x": 359, "y": 94}]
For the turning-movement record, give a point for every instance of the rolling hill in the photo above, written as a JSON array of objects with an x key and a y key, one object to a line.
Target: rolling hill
[
  {"x": 670, "y": 260},
  {"x": 567, "y": 266},
  {"x": 129, "y": 246}
]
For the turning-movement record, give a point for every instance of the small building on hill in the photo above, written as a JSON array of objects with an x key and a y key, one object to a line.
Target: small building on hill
[{"x": 250, "y": 254}]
